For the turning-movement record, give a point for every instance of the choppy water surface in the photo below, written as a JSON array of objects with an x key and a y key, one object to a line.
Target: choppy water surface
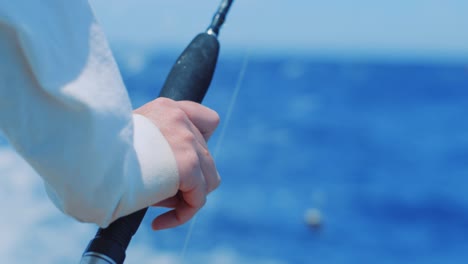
[{"x": 381, "y": 149}]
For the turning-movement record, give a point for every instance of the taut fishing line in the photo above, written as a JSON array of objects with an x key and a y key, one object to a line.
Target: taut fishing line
[
  {"x": 189, "y": 79},
  {"x": 217, "y": 149}
]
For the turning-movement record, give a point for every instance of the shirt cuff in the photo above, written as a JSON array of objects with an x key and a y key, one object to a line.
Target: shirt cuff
[{"x": 160, "y": 176}]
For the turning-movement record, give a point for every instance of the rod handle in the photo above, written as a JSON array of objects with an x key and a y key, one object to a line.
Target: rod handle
[{"x": 188, "y": 79}]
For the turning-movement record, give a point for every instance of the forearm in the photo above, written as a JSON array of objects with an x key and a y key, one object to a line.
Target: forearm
[{"x": 64, "y": 107}]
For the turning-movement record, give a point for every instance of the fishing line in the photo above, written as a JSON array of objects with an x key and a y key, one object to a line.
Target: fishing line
[
  {"x": 188, "y": 79},
  {"x": 232, "y": 103}
]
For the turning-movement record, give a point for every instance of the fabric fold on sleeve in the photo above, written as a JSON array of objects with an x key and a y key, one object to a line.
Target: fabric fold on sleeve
[{"x": 65, "y": 109}]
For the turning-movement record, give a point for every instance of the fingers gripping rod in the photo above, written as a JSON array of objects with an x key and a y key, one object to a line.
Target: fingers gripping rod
[{"x": 188, "y": 79}]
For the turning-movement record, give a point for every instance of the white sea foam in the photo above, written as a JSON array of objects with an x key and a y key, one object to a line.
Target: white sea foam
[
  {"x": 31, "y": 227},
  {"x": 33, "y": 230}
]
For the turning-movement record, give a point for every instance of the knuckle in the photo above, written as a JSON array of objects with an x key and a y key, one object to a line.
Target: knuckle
[
  {"x": 180, "y": 217},
  {"x": 188, "y": 168},
  {"x": 163, "y": 101},
  {"x": 209, "y": 161},
  {"x": 192, "y": 160},
  {"x": 207, "y": 155},
  {"x": 214, "y": 183},
  {"x": 200, "y": 203},
  {"x": 217, "y": 181},
  {"x": 216, "y": 118},
  {"x": 188, "y": 138},
  {"x": 178, "y": 115}
]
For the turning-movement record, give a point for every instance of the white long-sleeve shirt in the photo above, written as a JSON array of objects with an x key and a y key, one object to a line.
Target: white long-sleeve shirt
[{"x": 64, "y": 108}]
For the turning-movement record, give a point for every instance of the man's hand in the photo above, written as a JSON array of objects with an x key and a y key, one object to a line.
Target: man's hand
[{"x": 187, "y": 126}]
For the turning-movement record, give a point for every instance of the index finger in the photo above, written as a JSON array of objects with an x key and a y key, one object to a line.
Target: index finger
[
  {"x": 180, "y": 215},
  {"x": 205, "y": 119}
]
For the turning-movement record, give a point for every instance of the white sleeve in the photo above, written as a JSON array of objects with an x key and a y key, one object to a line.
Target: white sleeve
[{"x": 64, "y": 108}]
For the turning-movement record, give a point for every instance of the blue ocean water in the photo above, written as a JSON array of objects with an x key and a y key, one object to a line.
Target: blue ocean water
[{"x": 380, "y": 149}]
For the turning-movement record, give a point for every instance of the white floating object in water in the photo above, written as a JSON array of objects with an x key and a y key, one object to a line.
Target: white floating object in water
[{"x": 313, "y": 218}]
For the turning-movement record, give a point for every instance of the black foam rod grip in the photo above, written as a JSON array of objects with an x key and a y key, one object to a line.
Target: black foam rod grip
[
  {"x": 189, "y": 79},
  {"x": 193, "y": 71},
  {"x": 113, "y": 241}
]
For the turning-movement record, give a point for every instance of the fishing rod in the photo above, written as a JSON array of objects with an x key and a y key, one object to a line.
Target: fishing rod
[{"x": 188, "y": 79}]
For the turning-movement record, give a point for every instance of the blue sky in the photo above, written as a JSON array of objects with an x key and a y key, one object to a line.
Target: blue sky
[{"x": 398, "y": 28}]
